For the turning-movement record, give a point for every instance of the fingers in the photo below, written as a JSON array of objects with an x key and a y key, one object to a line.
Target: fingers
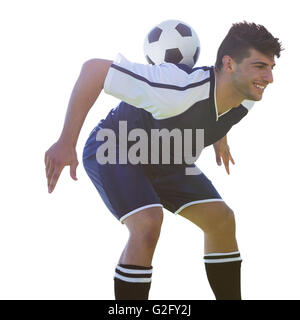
[
  {"x": 73, "y": 167},
  {"x": 226, "y": 157},
  {"x": 48, "y": 168},
  {"x": 231, "y": 159},
  {"x": 49, "y": 171},
  {"x": 226, "y": 163},
  {"x": 227, "y": 168},
  {"x": 53, "y": 177},
  {"x": 53, "y": 171},
  {"x": 218, "y": 159}
]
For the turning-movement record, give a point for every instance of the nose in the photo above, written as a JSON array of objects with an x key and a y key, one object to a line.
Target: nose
[{"x": 268, "y": 76}]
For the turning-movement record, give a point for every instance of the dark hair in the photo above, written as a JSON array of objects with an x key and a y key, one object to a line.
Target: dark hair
[{"x": 244, "y": 36}]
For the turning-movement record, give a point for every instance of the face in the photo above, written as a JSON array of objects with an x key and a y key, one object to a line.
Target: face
[{"x": 251, "y": 76}]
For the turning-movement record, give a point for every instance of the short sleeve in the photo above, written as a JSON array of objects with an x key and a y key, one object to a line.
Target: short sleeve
[{"x": 164, "y": 90}]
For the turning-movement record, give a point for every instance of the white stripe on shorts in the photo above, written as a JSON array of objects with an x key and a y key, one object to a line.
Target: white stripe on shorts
[
  {"x": 195, "y": 202},
  {"x": 139, "y": 209}
]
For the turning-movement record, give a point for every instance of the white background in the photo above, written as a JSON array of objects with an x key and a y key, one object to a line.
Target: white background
[{"x": 65, "y": 245}]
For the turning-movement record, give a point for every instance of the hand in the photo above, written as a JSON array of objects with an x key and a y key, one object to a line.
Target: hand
[
  {"x": 223, "y": 153},
  {"x": 57, "y": 157}
]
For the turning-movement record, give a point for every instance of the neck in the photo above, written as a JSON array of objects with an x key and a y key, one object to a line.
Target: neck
[{"x": 227, "y": 96}]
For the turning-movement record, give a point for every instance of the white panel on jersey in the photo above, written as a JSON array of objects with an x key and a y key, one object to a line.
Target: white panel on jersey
[{"x": 164, "y": 90}]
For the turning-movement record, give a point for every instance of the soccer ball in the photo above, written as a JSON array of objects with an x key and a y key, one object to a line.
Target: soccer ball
[{"x": 172, "y": 41}]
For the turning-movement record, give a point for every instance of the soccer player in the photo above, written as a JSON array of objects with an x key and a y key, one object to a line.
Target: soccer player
[{"x": 161, "y": 97}]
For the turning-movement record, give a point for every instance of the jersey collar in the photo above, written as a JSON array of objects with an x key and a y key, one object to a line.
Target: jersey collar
[{"x": 212, "y": 95}]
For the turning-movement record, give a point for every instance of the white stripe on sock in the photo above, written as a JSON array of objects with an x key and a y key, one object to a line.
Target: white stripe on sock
[
  {"x": 133, "y": 271},
  {"x": 221, "y": 254},
  {"x": 132, "y": 279},
  {"x": 222, "y": 260}
]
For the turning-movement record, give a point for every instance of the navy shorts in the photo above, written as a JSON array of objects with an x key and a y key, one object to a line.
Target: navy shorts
[{"x": 127, "y": 188}]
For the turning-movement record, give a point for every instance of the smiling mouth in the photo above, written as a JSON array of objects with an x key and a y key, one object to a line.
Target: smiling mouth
[{"x": 259, "y": 87}]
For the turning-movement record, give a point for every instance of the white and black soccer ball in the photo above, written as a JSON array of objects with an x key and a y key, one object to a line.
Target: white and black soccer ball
[{"x": 172, "y": 41}]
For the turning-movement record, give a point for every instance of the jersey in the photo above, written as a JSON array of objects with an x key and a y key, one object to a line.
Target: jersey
[
  {"x": 169, "y": 96},
  {"x": 161, "y": 97}
]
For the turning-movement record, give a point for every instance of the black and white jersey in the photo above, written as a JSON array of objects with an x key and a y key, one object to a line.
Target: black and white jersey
[{"x": 169, "y": 96}]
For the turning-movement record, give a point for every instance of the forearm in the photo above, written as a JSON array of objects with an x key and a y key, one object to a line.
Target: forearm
[
  {"x": 220, "y": 141},
  {"x": 224, "y": 139},
  {"x": 85, "y": 92}
]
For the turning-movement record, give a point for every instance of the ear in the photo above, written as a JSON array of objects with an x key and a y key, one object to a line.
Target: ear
[{"x": 228, "y": 64}]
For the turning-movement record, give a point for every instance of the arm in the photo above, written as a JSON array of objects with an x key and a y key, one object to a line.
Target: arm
[
  {"x": 86, "y": 90},
  {"x": 222, "y": 151}
]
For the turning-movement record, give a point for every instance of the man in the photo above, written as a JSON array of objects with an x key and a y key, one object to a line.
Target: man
[{"x": 169, "y": 97}]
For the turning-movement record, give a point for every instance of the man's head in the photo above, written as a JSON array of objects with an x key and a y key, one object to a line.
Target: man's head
[{"x": 246, "y": 55}]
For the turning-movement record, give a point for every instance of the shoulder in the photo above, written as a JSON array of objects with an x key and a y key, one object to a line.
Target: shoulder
[
  {"x": 96, "y": 65},
  {"x": 164, "y": 90},
  {"x": 174, "y": 76}
]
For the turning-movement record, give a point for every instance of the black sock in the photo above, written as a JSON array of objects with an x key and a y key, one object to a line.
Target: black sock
[
  {"x": 223, "y": 273},
  {"x": 132, "y": 282}
]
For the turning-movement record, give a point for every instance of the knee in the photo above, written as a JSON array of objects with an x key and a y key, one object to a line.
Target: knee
[
  {"x": 149, "y": 230},
  {"x": 146, "y": 227},
  {"x": 224, "y": 223}
]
